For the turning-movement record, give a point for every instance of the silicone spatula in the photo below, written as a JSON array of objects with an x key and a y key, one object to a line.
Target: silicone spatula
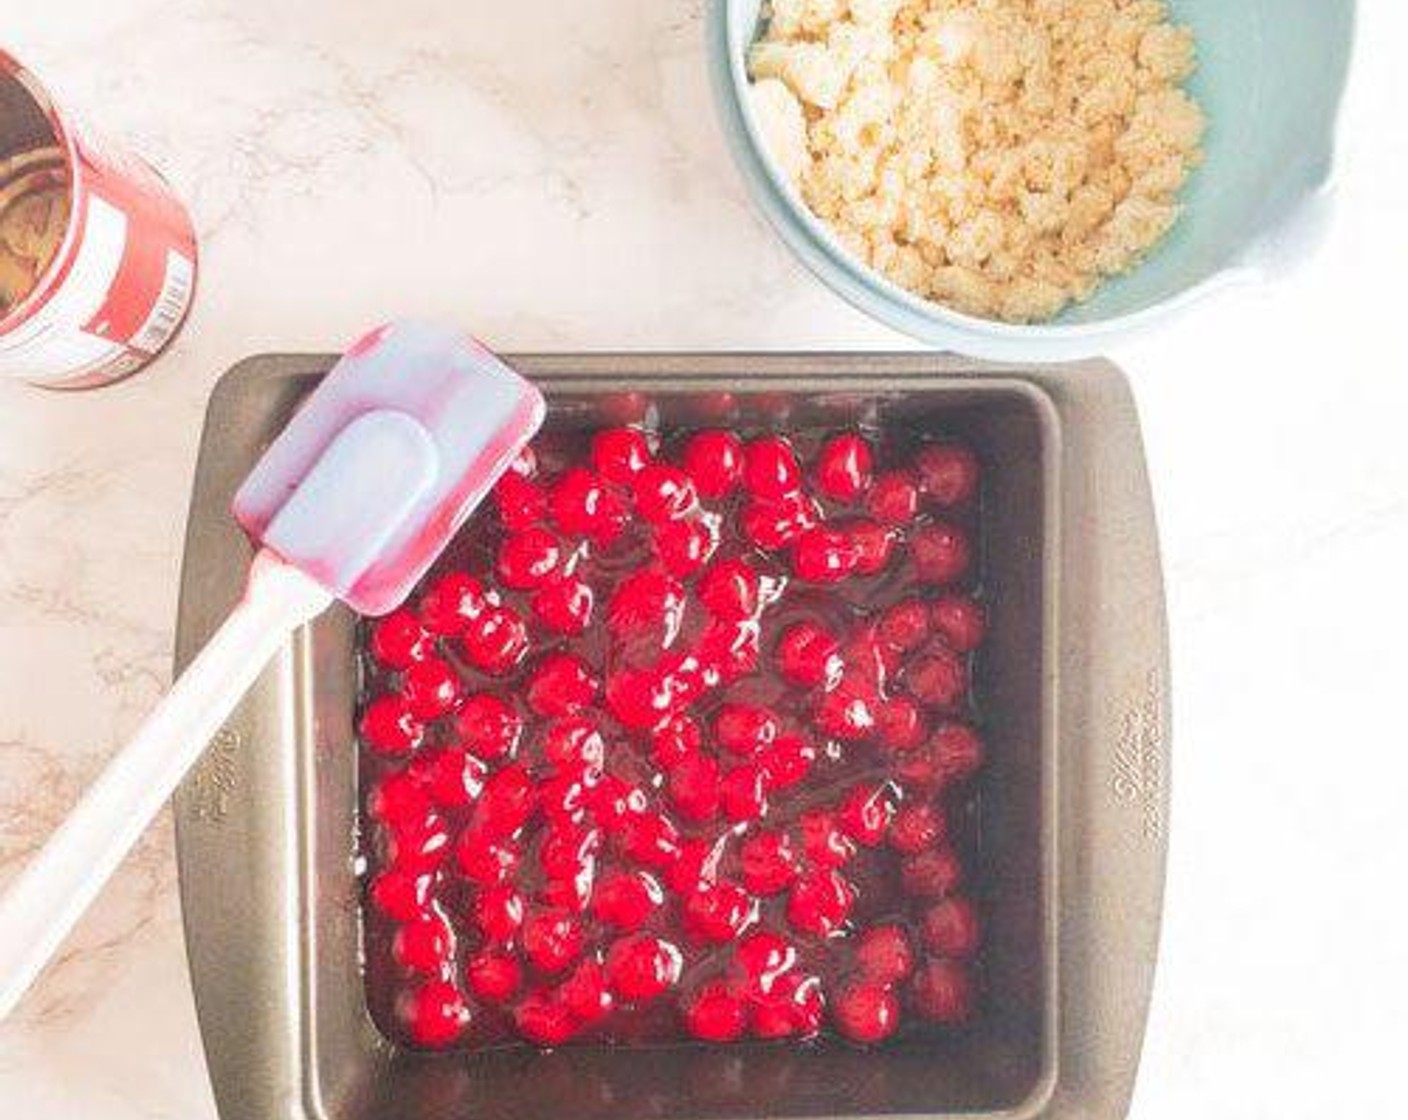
[{"x": 353, "y": 501}]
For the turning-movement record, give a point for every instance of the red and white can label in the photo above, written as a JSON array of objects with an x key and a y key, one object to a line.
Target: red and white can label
[{"x": 122, "y": 280}]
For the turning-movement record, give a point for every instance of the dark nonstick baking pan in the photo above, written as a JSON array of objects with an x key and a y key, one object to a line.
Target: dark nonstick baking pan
[{"x": 1074, "y": 691}]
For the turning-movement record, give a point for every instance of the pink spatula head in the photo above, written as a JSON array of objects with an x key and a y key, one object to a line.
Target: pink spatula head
[
  {"x": 354, "y": 500},
  {"x": 385, "y": 460}
]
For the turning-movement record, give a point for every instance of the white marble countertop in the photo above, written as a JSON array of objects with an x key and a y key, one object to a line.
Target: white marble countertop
[{"x": 550, "y": 174}]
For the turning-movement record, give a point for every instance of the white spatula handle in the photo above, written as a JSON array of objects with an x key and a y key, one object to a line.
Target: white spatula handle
[{"x": 53, "y": 891}]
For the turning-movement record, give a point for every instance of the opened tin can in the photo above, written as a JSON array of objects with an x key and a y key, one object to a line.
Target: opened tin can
[{"x": 97, "y": 255}]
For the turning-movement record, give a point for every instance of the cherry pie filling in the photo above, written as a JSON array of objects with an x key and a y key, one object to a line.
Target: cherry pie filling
[{"x": 678, "y": 743}]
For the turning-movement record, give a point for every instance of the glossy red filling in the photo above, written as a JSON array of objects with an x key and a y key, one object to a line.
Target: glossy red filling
[{"x": 678, "y": 743}]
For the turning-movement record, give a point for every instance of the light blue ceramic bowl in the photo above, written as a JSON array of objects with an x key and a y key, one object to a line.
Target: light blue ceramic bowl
[{"x": 1270, "y": 77}]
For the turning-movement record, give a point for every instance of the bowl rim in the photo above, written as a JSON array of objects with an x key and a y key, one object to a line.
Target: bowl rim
[{"x": 813, "y": 242}]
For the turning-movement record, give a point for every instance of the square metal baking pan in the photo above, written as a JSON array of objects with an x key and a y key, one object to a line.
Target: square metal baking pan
[{"x": 1073, "y": 686}]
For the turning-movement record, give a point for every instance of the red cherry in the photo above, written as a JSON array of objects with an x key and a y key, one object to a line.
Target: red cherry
[
  {"x": 718, "y": 912},
  {"x": 695, "y": 864},
  {"x": 423, "y": 945},
  {"x": 948, "y": 473},
  {"x": 884, "y": 955},
  {"x": 642, "y": 699},
  {"x": 729, "y": 650},
  {"x": 794, "y": 1007},
  {"x": 574, "y": 741},
  {"x": 917, "y": 768},
  {"x": 616, "y": 801},
  {"x": 941, "y": 553},
  {"x": 958, "y": 752},
  {"x": 651, "y": 839},
  {"x": 507, "y": 802},
  {"x": 624, "y": 408},
  {"x": 847, "y": 712},
  {"x": 397, "y": 799},
  {"x": 435, "y": 1014},
  {"x": 938, "y": 679},
  {"x": 568, "y": 851},
  {"x": 683, "y": 547},
  {"x": 960, "y": 621},
  {"x": 899, "y": 724},
  {"x": 715, "y": 1014},
  {"x": 766, "y": 862},
  {"x": 489, "y": 726},
  {"x": 864, "y": 814},
  {"x": 485, "y": 860},
  {"x": 402, "y": 894},
  {"x": 807, "y": 655},
  {"x": 905, "y": 625},
  {"x": 649, "y": 601},
  {"x": 389, "y": 727},
  {"x": 399, "y": 640},
  {"x": 820, "y": 903},
  {"x": 664, "y": 493},
  {"x": 641, "y": 967},
  {"x": 788, "y": 761},
  {"x": 564, "y": 605},
  {"x": 498, "y": 912},
  {"x": 743, "y": 793},
  {"x": 932, "y": 873},
  {"x": 693, "y": 785},
  {"x": 773, "y": 525},
  {"x": 520, "y": 503},
  {"x": 714, "y": 405},
  {"x": 571, "y": 895},
  {"x": 843, "y": 467},
  {"x": 430, "y": 688},
  {"x": 552, "y": 939},
  {"x": 730, "y": 589},
  {"x": 496, "y": 641},
  {"x": 683, "y": 677},
  {"x": 566, "y": 796},
  {"x": 714, "y": 461},
  {"x": 893, "y": 499},
  {"x": 745, "y": 729},
  {"x": 561, "y": 685},
  {"x": 493, "y": 976},
  {"x": 423, "y": 842},
  {"x": 917, "y": 827},
  {"x": 866, "y": 1013},
  {"x": 627, "y": 899},
  {"x": 585, "y": 994},
  {"x": 582, "y": 506},
  {"x": 619, "y": 454},
  {"x": 638, "y": 698},
  {"x": 823, "y": 842},
  {"x": 527, "y": 558},
  {"x": 942, "y": 991},
  {"x": 951, "y": 929},
  {"x": 874, "y": 544},
  {"x": 770, "y": 468},
  {"x": 678, "y": 738},
  {"x": 451, "y": 603},
  {"x": 869, "y": 661},
  {"x": 762, "y": 957},
  {"x": 452, "y": 777},
  {"x": 823, "y": 555},
  {"x": 543, "y": 1020}
]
